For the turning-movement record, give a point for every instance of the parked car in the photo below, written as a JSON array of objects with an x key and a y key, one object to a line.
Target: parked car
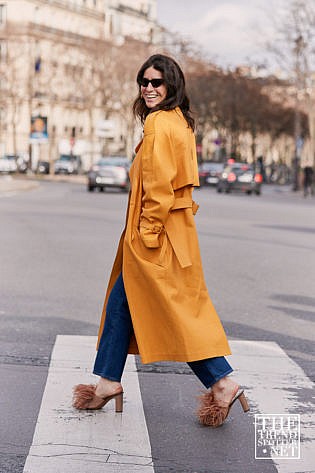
[
  {"x": 209, "y": 173},
  {"x": 43, "y": 167},
  {"x": 111, "y": 172},
  {"x": 241, "y": 177},
  {"x": 68, "y": 164},
  {"x": 8, "y": 163}
]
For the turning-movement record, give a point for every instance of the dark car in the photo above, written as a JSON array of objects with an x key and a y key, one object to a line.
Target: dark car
[
  {"x": 68, "y": 164},
  {"x": 209, "y": 173},
  {"x": 240, "y": 177},
  {"x": 43, "y": 167},
  {"x": 109, "y": 172}
]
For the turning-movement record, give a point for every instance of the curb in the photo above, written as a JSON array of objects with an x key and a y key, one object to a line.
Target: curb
[{"x": 75, "y": 179}]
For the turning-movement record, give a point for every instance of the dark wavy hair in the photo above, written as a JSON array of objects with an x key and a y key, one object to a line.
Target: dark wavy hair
[{"x": 175, "y": 85}]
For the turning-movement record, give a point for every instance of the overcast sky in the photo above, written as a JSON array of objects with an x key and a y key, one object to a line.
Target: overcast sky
[{"x": 230, "y": 31}]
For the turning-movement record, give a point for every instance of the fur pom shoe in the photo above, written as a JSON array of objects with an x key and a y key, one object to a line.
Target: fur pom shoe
[
  {"x": 212, "y": 414},
  {"x": 84, "y": 397}
]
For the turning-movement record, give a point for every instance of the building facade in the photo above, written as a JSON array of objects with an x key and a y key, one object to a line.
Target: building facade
[
  {"x": 60, "y": 61},
  {"x": 135, "y": 18}
]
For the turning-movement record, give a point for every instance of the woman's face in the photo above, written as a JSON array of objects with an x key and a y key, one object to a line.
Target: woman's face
[{"x": 155, "y": 93}]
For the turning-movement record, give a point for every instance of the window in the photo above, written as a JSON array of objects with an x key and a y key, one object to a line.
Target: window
[
  {"x": 3, "y": 117},
  {"x": 3, "y": 83},
  {"x": 3, "y": 50},
  {"x": 3, "y": 13}
]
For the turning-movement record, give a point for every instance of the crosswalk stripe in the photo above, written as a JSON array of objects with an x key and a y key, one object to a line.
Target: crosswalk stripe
[
  {"x": 71, "y": 441},
  {"x": 273, "y": 383}
]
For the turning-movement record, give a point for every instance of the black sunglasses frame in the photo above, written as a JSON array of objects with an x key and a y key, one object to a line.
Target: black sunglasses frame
[{"x": 154, "y": 82}]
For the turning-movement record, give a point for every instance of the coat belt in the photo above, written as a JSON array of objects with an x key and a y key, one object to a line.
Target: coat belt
[{"x": 184, "y": 203}]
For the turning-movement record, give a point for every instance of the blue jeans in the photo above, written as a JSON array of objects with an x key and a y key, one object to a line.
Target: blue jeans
[{"x": 113, "y": 348}]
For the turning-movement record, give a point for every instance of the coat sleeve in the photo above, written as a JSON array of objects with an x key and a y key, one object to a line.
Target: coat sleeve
[{"x": 158, "y": 172}]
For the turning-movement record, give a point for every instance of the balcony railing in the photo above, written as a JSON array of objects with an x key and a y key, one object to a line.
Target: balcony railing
[
  {"x": 132, "y": 11},
  {"x": 75, "y": 7},
  {"x": 31, "y": 29}
]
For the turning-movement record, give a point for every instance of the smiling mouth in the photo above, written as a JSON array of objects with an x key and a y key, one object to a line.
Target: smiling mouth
[{"x": 151, "y": 96}]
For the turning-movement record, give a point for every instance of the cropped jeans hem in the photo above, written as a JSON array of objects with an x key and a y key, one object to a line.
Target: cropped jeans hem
[{"x": 104, "y": 375}]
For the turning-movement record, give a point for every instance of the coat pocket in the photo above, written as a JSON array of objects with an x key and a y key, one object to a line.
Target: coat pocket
[{"x": 158, "y": 256}]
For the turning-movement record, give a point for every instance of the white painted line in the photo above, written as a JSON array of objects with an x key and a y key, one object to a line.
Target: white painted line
[
  {"x": 71, "y": 441},
  {"x": 273, "y": 383}
]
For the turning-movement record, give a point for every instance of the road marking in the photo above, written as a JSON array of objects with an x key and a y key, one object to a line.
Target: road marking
[
  {"x": 71, "y": 441},
  {"x": 275, "y": 384}
]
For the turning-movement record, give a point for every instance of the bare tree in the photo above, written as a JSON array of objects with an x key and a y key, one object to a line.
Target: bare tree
[
  {"x": 234, "y": 104},
  {"x": 13, "y": 89},
  {"x": 294, "y": 50},
  {"x": 129, "y": 57}
]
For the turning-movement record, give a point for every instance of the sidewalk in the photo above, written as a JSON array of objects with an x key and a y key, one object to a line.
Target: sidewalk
[
  {"x": 24, "y": 182},
  {"x": 9, "y": 185},
  {"x": 286, "y": 191}
]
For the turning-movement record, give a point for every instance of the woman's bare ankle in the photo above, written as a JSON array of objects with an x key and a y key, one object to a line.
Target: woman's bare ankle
[
  {"x": 224, "y": 383},
  {"x": 107, "y": 387},
  {"x": 224, "y": 389}
]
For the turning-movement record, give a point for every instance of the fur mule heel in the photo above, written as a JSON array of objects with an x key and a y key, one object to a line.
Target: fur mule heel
[
  {"x": 84, "y": 397},
  {"x": 213, "y": 414}
]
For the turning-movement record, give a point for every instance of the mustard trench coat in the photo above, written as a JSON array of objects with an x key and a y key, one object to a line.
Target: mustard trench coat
[{"x": 172, "y": 315}]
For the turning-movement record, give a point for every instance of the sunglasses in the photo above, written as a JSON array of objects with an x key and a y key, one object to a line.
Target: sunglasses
[{"x": 155, "y": 82}]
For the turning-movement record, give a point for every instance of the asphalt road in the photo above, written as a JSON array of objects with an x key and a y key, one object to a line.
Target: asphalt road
[{"x": 57, "y": 245}]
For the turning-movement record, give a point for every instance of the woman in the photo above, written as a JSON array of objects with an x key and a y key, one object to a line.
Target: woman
[{"x": 157, "y": 303}]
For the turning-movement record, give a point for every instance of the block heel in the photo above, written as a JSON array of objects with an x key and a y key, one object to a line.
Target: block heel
[
  {"x": 119, "y": 400},
  {"x": 243, "y": 401}
]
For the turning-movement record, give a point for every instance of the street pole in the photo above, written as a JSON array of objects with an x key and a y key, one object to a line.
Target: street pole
[{"x": 298, "y": 50}]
